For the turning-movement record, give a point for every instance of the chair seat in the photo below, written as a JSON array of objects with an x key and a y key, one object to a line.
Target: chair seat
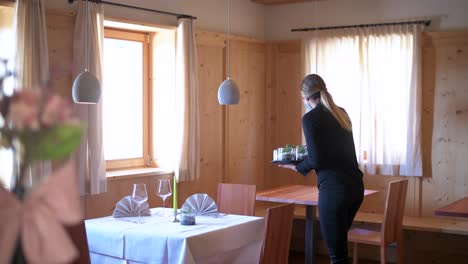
[{"x": 365, "y": 236}]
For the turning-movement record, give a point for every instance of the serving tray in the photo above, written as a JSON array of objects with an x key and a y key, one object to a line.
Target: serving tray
[{"x": 286, "y": 162}]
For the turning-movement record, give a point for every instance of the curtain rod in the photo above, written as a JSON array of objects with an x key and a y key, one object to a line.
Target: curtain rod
[
  {"x": 425, "y": 22},
  {"x": 141, "y": 8}
]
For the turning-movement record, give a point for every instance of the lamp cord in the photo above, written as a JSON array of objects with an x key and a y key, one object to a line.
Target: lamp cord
[
  {"x": 229, "y": 42},
  {"x": 315, "y": 37},
  {"x": 86, "y": 38}
]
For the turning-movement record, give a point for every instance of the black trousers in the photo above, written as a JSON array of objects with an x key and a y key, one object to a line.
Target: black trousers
[{"x": 340, "y": 196}]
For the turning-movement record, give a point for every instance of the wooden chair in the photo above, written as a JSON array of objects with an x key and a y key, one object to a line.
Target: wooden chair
[
  {"x": 392, "y": 225},
  {"x": 279, "y": 222},
  {"x": 78, "y": 235},
  {"x": 236, "y": 199}
]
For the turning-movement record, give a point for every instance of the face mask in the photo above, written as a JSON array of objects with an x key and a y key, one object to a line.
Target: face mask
[{"x": 307, "y": 107}]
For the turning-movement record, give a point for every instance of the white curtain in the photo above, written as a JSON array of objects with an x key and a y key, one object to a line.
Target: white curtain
[
  {"x": 91, "y": 165},
  {"x": 187, "y": 166},
  {"x": 32, "y": 55},
  {"x": 32, "y": 61},
  {"x": 375, "y": 74}
]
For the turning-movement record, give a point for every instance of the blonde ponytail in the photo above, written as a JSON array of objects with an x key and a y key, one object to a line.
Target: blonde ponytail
[
  {"x": 311, "y": 85},
  {"x": 338, "y": 113}
]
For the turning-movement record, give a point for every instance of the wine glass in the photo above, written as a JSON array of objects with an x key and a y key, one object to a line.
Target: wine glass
[
  {"x": 139, "y": 196},
  {"x": 164, "y": 191}
]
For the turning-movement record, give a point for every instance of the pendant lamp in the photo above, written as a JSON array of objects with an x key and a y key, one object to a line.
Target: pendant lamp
[
  {"x": 228, "y": 92},
  {"x": 86, "y": 87}
]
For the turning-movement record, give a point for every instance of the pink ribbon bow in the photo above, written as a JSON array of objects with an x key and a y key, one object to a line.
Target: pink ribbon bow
[{"x": 40, "y": 219}]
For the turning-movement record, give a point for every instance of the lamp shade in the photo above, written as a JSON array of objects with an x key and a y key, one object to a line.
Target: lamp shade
[
  {"x": 228, "y": 93},
  {"x": 86, "y": 89}
]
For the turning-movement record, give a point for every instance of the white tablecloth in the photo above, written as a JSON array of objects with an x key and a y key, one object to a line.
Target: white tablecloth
[{"x": 224, "y": 239}]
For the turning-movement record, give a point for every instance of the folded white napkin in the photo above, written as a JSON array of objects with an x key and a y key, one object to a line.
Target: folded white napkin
[
  {"x": 201, "y": 204},
  {"x": 127, "y": 207}
]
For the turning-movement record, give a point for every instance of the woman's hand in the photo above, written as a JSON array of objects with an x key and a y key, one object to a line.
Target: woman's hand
[{"x": 288, "y": 166}]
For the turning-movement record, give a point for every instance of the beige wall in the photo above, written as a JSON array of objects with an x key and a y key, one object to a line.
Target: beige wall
[
  {"x": 275, "y": 22},
  {"x": 247, "y": 18},
  {"x": 446, "y": 14}
]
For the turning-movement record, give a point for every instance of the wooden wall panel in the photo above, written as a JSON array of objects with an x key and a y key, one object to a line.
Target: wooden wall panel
[
  {"x": 100, "y": 205},
  {"x": 284, "y": 112},
  {"x": 245, "y": 122},
  {"x": 60, "y": 26},
  {"x": 210, "y": 75},
  {"x": 449, "y": 66},
  {"x": 270, "y": 116},
  {"x": 231, "y": 136}
]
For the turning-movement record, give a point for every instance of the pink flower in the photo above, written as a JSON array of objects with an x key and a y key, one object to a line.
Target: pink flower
[
  {"x": 23, "y": 111},
  {"x": 26, "y": 106},
  {"x": 56, "y": 110}
]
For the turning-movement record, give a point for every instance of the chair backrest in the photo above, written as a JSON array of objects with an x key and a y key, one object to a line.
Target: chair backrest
[
  {"x": 392, "y": 226},
  {"x": 278, "y": 234},
  {"x": 236, "y": 198},
  {"x": 77, "y": 234}
]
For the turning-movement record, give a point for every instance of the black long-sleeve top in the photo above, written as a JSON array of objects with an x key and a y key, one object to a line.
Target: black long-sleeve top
[{"x": 330, "y": 147}]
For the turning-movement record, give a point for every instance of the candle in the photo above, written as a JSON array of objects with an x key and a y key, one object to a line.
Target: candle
[{"x": 174, "y": 196}]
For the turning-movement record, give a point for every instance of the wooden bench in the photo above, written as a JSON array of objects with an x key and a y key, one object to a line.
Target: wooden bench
[{"x": 444, "y": 225}]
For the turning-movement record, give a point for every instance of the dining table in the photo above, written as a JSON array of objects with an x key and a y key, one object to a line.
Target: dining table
[
  {"x": 219, "y": 238},
  {"x": 303, "y": 195},
  {"x": 458, "y": 208}
]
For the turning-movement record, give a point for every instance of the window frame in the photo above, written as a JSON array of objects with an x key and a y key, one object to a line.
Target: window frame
[
  {"x": 7, "y": 3},
  {"x": 146, "y": 160}
]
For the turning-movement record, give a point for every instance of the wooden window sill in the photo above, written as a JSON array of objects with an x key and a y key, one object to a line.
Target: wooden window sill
[{"x": 134, "y": 173}]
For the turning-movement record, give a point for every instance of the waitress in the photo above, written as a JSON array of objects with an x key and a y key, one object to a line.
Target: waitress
[{"x": 331, "y": 153}]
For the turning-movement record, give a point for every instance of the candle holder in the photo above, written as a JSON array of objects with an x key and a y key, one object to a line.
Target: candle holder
[
  {"x": 187, "y": 215},
  {"x": 175, "y": 217}
]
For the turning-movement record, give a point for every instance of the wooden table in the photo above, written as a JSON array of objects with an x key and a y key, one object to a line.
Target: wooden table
[
  {"x": 458, "y": 209},
  {"x": 305, "y": 195}
]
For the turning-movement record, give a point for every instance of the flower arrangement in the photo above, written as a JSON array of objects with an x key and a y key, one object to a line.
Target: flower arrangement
[{"x": 36, "y": 125}]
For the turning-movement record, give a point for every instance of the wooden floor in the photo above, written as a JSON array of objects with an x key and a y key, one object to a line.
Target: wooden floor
[{"x": 298, "y": 258}]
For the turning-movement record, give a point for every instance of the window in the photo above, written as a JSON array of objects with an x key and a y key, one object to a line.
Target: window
[
  {"x": 7, "y": 43},
  {"x": 7, "y": 52},
  {"x": 373, "y": 74},
  {"x": 126, "y": 101}
]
